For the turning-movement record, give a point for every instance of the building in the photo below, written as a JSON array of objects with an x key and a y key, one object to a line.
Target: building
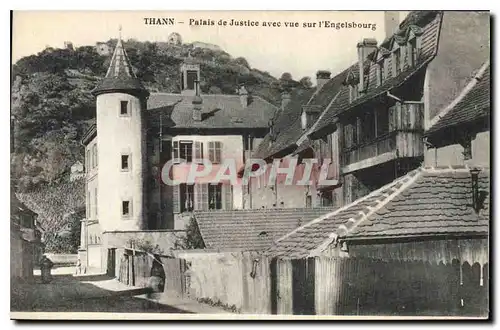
[
  {"x": 199, "y": 44},
  {"x": 103, "y": 49},
  {"x": 137, "y": 133},
  {"x": 26, "y": 246},
  {"x": 77, "y": 171},
  {"x": 174, "y": 38},
  {"x": 434, "y": 218}
]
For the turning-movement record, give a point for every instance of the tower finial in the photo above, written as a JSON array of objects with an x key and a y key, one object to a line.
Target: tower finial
[{"x": 120, "y": 32}]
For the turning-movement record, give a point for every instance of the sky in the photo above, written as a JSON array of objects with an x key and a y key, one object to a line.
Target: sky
[{"x": 299, "y": 50}]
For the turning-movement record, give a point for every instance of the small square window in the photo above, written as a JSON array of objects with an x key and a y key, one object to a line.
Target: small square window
[
  {"x": 125, "y": 162},
  {"x": 123, "y": 108},
  {"x": 125, "y": 208}
]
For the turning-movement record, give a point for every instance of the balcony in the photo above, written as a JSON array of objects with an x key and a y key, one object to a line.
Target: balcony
[{"x": 404, "y": 140}]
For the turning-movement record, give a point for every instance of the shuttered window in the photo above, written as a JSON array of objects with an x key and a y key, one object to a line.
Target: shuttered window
[
  {"x": 201, "y": 197},
  {"x": 215, "y": 152},
  {"x": 228, "y": 196},
  {"x": 176, "y": 200},
  {"x": 198, "y": 152},
  {"x": 215, "y": 197},
  {"x": 95, "y": 202}
]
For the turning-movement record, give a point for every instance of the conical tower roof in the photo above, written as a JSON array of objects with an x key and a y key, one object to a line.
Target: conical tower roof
[{"x": 120, "y": 76}]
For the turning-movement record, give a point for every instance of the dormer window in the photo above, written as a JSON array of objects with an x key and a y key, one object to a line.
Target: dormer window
[
  {"x": 412, "y": 51},
  {"x": 380, "y": 72},
  {"x": 353, "y": 92},
  {"x": 396, "y": 62}
]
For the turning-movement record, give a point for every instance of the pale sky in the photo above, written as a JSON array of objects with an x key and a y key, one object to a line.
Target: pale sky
[{"x": 300, "y": 51}]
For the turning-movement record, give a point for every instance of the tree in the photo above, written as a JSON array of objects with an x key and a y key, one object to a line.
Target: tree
[
  {"x": 306, "y": 82},
  {"x": 242, "y": 61},
  {"x": 193, "y": 238}
]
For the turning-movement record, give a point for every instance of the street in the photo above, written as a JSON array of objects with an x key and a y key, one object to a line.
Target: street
[{"x": 88, "y": 293}]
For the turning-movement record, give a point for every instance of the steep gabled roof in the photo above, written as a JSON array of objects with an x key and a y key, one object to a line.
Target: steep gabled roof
[
  {"x": 218, "y": 111},
  {"x": 120, "y": 76},
  {"x": 472, "y": 104},
  {"x": 250, "y": 230},
  {"x": 429, "y": 37},
  {"x": 288, "y": 128},
  {"x": 426, "y": 202}
]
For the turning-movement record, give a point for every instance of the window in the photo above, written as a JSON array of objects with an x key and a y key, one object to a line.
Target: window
[
  {"x": 183, "y": 149},
  {"x": 95, "y": 202},
  {"x": 397, "y": 62},
  {"x": 186, "y": 197},
  {"x": 87, "y": 161},
  {"x": 412, "y": 52},
  {"x": 327, "y": 198},
  {"x": 308, "y": 201},
  {"x": 94, "y": 155},
  {"x": 380, "y": 73},
  {"x": 125, "y": 162},
  {"x": 367, "y": 126},
  {"x": 215, "y": 197},
  {"x": 353, "y": 92},
  {"x": 214, "y": 152},
  {"x": 124, "y": 108},
  {"x": 467, "y": 145},
  {"x": 126, "y": 209},
  {"x": 191, "y": 76},
  {"x": 89, "y": 204},
  {"x": 382, "y": 115}
]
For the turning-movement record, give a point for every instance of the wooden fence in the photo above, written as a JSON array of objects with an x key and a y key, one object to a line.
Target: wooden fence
[
  {"x": 362, "y": 286},
  {"x": 251, "y": 283},
  {"x": 134, "y": 268}
]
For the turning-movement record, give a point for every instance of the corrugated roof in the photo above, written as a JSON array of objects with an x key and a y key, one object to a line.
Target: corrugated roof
[
  {"x": 250, "y": 230},
  {"x": 218, "y": 111},
  {"x": 424, "y": 203},
  {"x": 472, "y": 105}
]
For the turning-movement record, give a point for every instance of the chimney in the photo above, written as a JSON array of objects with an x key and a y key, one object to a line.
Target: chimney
[
  {"x": 365, "y": 47},
  {"x": 285, "y": 99},
  {"x": 243, "y": 96},
  {"x": 197, "y": 101},
  {"x": 391, "y": 23},
  {"x": 322, "y": 76},
  {"x": 474, "y": 172}
]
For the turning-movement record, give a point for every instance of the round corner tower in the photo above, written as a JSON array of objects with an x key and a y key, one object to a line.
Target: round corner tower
[{"x": 121, "y": 100}]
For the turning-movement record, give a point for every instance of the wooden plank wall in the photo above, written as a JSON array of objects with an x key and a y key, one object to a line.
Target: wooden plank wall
[{"x": 363, "y": 286}]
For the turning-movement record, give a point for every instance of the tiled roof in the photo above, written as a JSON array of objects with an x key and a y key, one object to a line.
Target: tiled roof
[
  {"x": 250, "y": 230},
  {"x": 472, "y": 104},
  {"x": 428, "y": 52},
  {"x": 438, "y": 202},
  {"x": 218, "y": 111},
  {"x": 120, "y": 75},
  {"x": 423, "y": 203},
  {"x": 288, "y": 127}
]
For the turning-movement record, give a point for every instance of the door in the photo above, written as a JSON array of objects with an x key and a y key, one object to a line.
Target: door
[{"x": 110, "y": 271}]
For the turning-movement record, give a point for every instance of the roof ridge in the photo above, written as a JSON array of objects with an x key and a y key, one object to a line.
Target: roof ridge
[
  {"x": 357, "y": 201},
  {"x": 465, "y": 91},
  {"x": 406, "y": 180}
]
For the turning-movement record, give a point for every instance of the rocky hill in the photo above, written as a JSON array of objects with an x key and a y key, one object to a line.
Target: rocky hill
[
  {"x": 52, "y": 104},
  {"x": 52, "y": 107}
]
